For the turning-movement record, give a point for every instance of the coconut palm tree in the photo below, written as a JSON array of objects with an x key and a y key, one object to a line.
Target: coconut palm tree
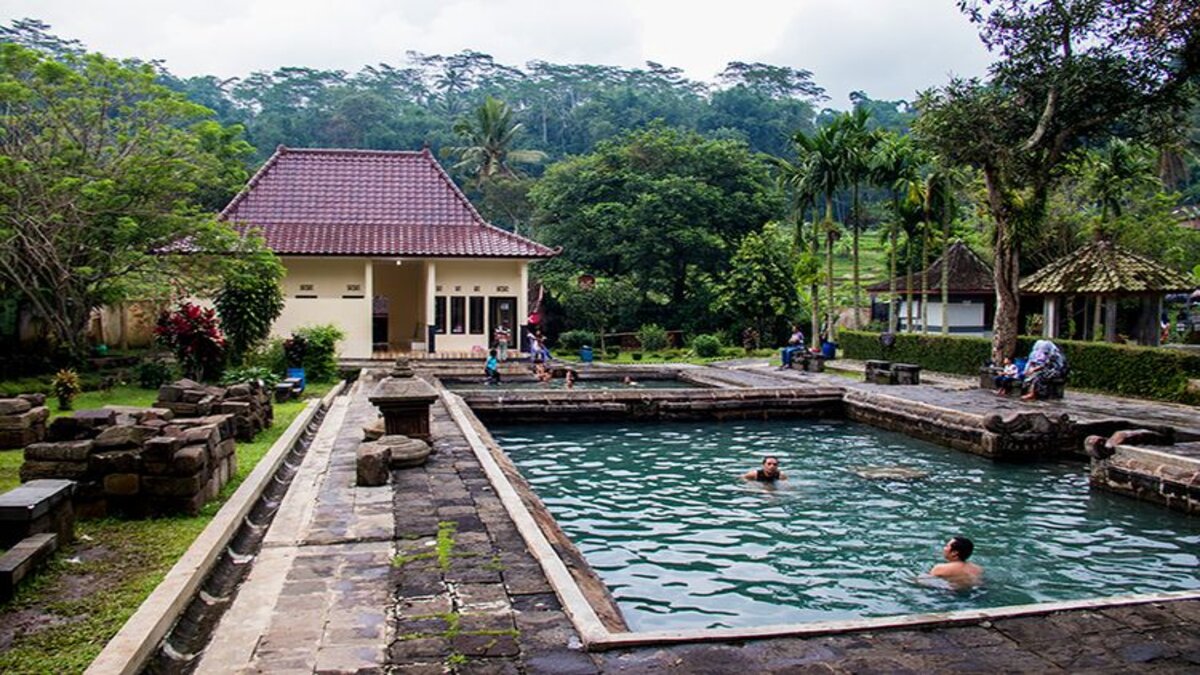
[
  {"x": 859, "y": 146},
  {"x": 490, "y": 133},
  {"x": 825, "y": 156},
  {"x": 938, "y": 196},
  {"x": 894, "y": 164}
]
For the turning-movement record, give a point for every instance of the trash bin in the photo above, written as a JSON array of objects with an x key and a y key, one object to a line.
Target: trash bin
[
  {"x": 829, "y": 350},
  {"x": 585, "y": 354},
  {"x": 297, "y": 373}
]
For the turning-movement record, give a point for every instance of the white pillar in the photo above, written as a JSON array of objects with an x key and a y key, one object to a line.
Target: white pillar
[
  {"x": 523, "y": 297},
  {"x": 369, "y": 304},
  {"x": 430, "y": 291},
  {"x": 1050, "y": 317}
]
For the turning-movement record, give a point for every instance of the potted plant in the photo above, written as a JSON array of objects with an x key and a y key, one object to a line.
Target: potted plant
[{"x": 66, "y": 386}]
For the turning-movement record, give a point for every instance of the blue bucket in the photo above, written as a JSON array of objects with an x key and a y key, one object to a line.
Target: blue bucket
[
  {"x": 829, "y": 350},
  {"x": 297, "y": 373},
  {"x": 585, "y": 354}
]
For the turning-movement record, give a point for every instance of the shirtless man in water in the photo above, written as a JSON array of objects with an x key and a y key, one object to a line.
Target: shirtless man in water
[
  {"x": 769, "y": 473},
  {"x": 956, "y": 569}
]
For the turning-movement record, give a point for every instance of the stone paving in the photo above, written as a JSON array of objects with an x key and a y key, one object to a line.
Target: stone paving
[{"x": 429, "y": 575}]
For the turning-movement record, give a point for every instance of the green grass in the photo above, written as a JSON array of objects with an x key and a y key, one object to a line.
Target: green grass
[{"x": 80, "y": 605}]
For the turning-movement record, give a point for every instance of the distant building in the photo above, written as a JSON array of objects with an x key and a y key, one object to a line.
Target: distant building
[{"x": 972, "y": 295}]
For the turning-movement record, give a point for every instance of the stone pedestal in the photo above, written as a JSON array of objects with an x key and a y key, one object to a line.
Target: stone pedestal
[
  {"x": 880, "y": 372},
  {"x": 404, "y": 401}
]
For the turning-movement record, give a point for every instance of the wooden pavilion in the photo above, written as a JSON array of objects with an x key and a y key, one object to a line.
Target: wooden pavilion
[
  {"x": 1089, "y": 282},
  {"x": 971, "y": 302}
]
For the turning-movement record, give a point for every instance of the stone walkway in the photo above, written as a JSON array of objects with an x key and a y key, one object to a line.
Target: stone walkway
[{"x": 430, "y": 575}]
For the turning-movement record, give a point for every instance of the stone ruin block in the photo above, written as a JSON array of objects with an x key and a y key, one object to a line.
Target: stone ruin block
[
  {"x": 61, "y": 451},
  {"x": 21, "y": 422},
  {"x": 36, "y": 507}
]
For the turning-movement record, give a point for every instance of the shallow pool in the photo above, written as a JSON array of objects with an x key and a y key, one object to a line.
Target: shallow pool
[{"x": 659, "y": 512}]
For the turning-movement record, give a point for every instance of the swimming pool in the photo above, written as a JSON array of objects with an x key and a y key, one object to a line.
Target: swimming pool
[
  {"x": 682, "y": 543},
  {"x": 559, "y": 384}
]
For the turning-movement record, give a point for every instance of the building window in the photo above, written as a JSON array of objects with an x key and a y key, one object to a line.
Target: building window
[
  {"x": 476, "y": 315},
  {"x": 439, "y": 314},
  {"x": 458, "y": 314}
]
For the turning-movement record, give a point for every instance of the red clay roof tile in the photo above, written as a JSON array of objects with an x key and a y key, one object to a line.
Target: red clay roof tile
[{"x": 368, "y": 203}]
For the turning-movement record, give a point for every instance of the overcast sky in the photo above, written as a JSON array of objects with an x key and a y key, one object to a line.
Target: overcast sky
[{"x": 887, "y": 48}]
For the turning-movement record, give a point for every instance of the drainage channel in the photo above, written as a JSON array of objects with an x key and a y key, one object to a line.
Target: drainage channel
[
  {"x": 208, "y": 595},
  {"x": 178, "y": 652}
]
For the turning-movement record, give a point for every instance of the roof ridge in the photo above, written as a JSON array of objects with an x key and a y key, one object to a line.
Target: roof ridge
[
  {"x": 353, "y": 151},
  {"x": 474, "y": 212}
]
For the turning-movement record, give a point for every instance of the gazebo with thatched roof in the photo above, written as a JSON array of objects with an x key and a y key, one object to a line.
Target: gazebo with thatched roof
[
  {"x": 1100, "y": 274},
  {"x": 971, "y": 294}
]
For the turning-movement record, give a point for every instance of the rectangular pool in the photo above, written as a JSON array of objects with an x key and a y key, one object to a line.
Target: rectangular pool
[{"x": 660, "y": 512}]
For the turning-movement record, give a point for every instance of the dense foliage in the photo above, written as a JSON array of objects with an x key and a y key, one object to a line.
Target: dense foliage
[
  {"x": 320, "y": 354},
  {"x": 101, "y": 170},
  {"x": 662, "y": 208}
]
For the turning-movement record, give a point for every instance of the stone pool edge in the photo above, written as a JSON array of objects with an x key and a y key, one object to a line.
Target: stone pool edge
[{"x": 597, "y": 637}]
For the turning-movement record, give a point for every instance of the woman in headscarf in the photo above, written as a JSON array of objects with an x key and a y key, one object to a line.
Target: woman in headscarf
[{"x": 1046, "y": 363}]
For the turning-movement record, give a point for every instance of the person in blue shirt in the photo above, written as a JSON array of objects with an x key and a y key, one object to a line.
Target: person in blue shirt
[{"x": 492, "y": 368}]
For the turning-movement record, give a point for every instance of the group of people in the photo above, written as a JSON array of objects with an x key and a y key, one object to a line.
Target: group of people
[
  {"x": 1046, "y": 364},
  {"x": 956, "y": 571}
]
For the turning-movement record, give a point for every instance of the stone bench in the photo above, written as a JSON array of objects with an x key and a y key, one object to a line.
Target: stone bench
[
  {"x": 37, "y": 507},
  {"x": 886, "y": 372},
  {"x": 808, "y": 362},
  {"x": 21, "y": 560}
]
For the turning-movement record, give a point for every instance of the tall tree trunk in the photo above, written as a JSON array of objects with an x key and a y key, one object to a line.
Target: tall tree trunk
[
  {"x": 830, "y": 308},
  {"x": 908, "y": 285},
  {"x": 946, "y": 269},
  {"x": 814, "y": 248},
  {"x": 855, "y": 225},
  {"x": 1006, "y": 273},
  {"x": 925, "y": 277},
  {"x": 895, "y": 238}
]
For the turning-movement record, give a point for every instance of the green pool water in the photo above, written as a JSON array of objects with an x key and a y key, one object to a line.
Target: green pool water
[{"x": 661, "y": 514}]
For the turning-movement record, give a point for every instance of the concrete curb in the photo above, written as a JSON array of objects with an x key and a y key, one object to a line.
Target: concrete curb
[{"x": 130, "y": 649}]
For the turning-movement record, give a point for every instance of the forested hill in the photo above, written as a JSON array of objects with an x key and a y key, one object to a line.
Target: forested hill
[{"x": 565, "y": 109}]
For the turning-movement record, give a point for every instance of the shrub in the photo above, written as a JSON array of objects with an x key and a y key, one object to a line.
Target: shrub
[
  {"x": 152, "y": 373},
  {"x": 249, "y": 374},
  {"x": 66, "y": 386},
  {"x": 320, "y": 358},
  {"x": 249, "y": 303},
  {"x": 637, "y": 356},
  {"x": 269, "y": 355},
  {"x": 612, "y": 352},
  {"x": 574, "y": 339},
  {"x": 706, "y": 346},
  {"x": 652, "y": 337},
  {"x": 192, "y": 333},
  {"x": 1126, "y": 370}
]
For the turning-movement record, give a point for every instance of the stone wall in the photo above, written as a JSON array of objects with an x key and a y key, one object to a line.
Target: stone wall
[
  {"x": 23, "y": 420},
  {"x": 146, "y": 461},
  {"x": 1128, "y": 463}
]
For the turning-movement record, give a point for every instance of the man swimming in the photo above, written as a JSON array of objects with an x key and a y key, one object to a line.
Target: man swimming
[
  {"x": 769, "y": 473},
  {"x": 956, "y": 569}
]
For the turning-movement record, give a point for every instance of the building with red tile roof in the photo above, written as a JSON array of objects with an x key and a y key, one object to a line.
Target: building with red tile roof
[{"x": 384, "y": 244}]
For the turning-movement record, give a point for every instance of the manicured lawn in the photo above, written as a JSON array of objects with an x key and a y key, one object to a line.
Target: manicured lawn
[{"x": 61, "y": 621}]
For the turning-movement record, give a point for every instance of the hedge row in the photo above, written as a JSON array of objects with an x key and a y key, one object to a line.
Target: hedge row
[{"x": 1144, "y": 372}]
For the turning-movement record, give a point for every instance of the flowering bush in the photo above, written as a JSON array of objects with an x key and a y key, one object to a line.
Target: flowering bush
[{"x": 193, "y": 334}]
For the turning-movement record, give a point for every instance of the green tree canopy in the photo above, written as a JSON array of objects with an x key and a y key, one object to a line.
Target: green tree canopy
[
  {"x": 1070, "y": 72},
  {"x": 760, "y": 290},
  {"x": 100, "y": 172},
  {"x": 661, "y": 206}
]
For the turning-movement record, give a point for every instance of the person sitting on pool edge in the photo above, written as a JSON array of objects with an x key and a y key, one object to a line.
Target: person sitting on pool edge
[
  {"x": 769, "y": 473},
  {"x": 956, "y": 569}
]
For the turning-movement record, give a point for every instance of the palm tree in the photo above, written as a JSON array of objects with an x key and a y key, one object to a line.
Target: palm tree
[
  {"x": 894, "y": 164},
  {"x": 490, "y": 134},
  {"x": 859, "y": 144},
  {"x": 939, "y": 204},
  {"x": 824, "y": 154}
]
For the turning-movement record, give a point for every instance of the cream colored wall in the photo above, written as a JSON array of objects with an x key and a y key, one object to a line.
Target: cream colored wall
[
  {"x": 329, "y": 279},
  {"x": 477, "y": 277}
]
